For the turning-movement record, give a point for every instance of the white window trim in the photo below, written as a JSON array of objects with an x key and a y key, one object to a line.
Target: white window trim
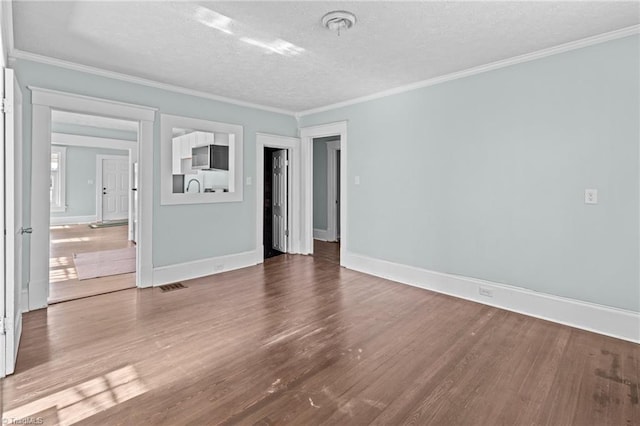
[{"x": 62, "y": 178}]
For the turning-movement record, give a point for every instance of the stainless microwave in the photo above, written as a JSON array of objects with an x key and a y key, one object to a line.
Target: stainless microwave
[{"x": 210, "y": 157}]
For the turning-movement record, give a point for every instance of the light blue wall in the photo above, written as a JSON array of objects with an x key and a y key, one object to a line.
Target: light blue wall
[
  {"x": 319, "y": 184},
  {"x": 80, "y": 167},
  {"x": 181, "y": 233},
  {"x": 320, "y": 191},
  {"x": 485, "y": 176}
]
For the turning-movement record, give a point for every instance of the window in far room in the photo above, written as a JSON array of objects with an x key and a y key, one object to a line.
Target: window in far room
[{"x": 57, "y": 180}]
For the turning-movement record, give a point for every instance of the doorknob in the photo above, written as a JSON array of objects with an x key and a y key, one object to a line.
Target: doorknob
[{"x": 26, "y": 230}]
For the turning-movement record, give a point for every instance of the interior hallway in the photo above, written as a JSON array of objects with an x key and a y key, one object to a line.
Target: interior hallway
[
  {"x": 69, "y": 239},
  {"x": 299, "y": 340}
]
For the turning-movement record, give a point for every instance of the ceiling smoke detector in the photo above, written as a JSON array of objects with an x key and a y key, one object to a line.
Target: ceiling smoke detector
[{"x": 339, "y": 20}]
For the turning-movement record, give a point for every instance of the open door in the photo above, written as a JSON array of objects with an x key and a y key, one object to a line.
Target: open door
[
  {"x": 12, "y": 313},
  {"x": 280, "y": 196}
]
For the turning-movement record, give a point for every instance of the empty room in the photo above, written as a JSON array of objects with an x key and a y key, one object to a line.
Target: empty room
[{"x": 316, "y": 212}]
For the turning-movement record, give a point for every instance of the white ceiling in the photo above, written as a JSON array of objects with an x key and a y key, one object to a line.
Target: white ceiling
[
  {"x": 64, "y": 117},
  {"x": 231, "y": 49}
]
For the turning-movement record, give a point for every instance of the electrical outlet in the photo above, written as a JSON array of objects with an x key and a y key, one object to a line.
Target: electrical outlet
[
  {"x": 219, "y": 267},
  {"x": 485, "y": 292},
  {"x": 591, "y": 196}
]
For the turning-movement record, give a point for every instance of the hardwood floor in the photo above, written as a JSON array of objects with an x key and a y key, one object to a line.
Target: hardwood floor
[
  {"x": 69, "y": 239},
  {"x": 329, "y": 252},
  {"x": 302, "y": 341}
]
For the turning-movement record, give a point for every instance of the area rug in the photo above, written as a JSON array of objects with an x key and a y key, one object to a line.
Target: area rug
[{"x": 105, "y": 263}]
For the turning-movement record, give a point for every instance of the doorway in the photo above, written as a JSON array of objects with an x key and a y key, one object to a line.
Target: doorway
[
  {"x": 91, "y": 202},
  {"x": 275, "y": 231},
  {"x": 313, "y": 179},
  {"x": 278, "y": 195},
  {"x": 326, "y": 198}
]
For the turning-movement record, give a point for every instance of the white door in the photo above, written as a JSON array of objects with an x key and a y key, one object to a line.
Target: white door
[
  {"x": 280, "y": 196},
  {"x": 115, "y": 188},
  {"x": 11, "y": 306}
]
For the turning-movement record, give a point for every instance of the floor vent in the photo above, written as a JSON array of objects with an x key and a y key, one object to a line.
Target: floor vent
[{"x": 172, "y": 287}]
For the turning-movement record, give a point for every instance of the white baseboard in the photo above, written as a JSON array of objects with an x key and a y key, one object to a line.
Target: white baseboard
[
  {"x": 72, "y": 220},
  {"x": 201, "y": 268},
  {"x": 320, "y": 234},
  {"x": 24, "y": 300},
  {"x": 600, "y": 319}
]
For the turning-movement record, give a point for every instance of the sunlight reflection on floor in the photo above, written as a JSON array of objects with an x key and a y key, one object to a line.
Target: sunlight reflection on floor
[
  {"x": 83, "y": 400},
  {"x": 70, "y": 240},
  {"x": 62, "y": 269}
]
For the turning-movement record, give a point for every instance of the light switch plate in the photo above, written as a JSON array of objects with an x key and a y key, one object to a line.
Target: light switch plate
[
  {"x": 248, "y": 180},
  {"x": 591, "y": 196},
  {"x": 356, "y": 180}
]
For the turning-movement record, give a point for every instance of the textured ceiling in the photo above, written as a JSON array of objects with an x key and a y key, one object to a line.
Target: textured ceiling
[
  {"x": 277, "y": 53},
  {"x": 63, "y": 117}
]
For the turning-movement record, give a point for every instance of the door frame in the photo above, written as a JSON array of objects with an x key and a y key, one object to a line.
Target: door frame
[
  {"x": 307, "y": 135},
  {"x": 12, "y": 247},
  {"x": 3, "y": 238},
  {"x": 333, "y": 148},
  {"x": 99, "y": 203},
  {"x": 43, "y": 101},
  {"x": 292, "y": 145}
]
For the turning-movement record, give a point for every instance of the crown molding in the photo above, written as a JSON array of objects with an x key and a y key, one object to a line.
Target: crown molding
[
  {"x": 20, "y": 54},
  {"x": 578, "y": 44},
  {"x": 6, "y": 23}
]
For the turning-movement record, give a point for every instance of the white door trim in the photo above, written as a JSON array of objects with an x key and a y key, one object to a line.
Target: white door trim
[
  {"x": 3, "y": 241},
  {"x": 295, "y": 212},
  {"x": 99, "y": 159},
  {"x": 11, "y": 310},
  {"x": 44, "y": 101},
  {"x": 91, "y": 105},
  {"x": 332, "y": 182},
  {"x": 307, "y": 135},
  {"x": 92, "y": 142}
]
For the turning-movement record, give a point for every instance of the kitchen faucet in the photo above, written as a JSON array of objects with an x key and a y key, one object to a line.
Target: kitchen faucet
[{"x": 193, "y": 180}]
